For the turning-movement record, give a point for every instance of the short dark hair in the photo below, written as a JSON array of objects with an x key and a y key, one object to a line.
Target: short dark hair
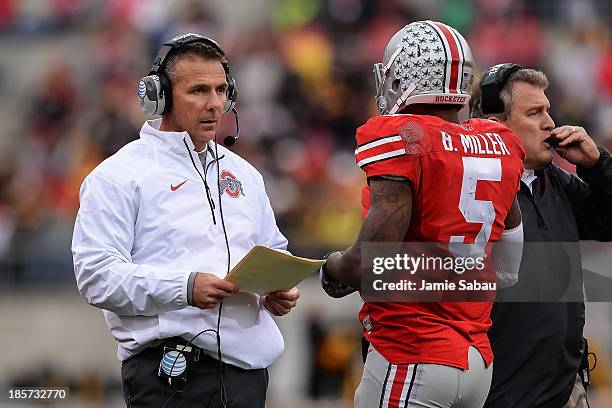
[
  {"x": 530, "y": 76},
  {"x": 198, "y": 49}
]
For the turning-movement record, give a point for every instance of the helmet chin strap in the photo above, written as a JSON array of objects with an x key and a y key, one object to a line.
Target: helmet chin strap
[{"x": 400, "y": 101}]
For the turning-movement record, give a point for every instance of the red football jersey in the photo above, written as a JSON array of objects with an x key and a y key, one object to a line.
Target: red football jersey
[{"x": 464, "y": 178}]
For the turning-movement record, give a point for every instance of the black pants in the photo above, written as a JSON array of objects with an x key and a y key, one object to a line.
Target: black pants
[{"x": 143, "y": 388}]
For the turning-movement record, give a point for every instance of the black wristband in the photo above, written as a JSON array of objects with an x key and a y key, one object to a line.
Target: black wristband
[{"x": 331, "y": 286}]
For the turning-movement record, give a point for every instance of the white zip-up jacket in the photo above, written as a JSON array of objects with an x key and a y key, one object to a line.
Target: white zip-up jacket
[{"x": 145, "y": 224}]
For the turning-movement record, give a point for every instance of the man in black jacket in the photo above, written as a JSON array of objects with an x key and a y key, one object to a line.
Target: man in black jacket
[{"x": 536, "y": 334}]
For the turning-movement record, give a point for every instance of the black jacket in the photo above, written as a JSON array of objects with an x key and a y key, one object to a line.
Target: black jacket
[{"x": 537, "y": 324}]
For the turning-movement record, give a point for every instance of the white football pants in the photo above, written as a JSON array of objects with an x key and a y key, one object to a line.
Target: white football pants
[{"x": 385, "y": 385}]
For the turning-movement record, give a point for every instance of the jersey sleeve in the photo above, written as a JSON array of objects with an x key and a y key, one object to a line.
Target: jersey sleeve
[{"x": 387, "y": 155}]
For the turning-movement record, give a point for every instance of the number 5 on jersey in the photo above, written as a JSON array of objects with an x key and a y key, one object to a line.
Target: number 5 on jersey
[{"x": 474, "y": 210}]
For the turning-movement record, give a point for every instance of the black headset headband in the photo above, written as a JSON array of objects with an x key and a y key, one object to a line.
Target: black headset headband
[
  {"x": 179, "y": 42},
  {"x": 492, "y": 83}
]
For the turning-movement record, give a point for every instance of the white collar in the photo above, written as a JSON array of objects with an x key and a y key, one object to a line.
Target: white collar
[
  {"x": 528, "y": 178},
  {"x": 175, "y": 140}
]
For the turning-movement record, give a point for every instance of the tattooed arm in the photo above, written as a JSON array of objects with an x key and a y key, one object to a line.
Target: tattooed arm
[{"x": 387, "y": 220}]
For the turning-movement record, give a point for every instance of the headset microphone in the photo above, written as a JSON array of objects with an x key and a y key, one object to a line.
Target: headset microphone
[{"x": 230, "y": 140}]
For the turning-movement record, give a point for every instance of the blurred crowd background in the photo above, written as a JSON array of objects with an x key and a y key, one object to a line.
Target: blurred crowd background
[{"x": 68, "y": 76}]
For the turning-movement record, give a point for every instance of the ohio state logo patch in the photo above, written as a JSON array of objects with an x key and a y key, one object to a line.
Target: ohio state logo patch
[
  {"x": 416, "y": 140},
  {"x": 230, "y": 184}
]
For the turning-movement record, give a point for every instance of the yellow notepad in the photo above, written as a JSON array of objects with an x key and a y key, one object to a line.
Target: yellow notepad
[{"x": 264, "y": 270}]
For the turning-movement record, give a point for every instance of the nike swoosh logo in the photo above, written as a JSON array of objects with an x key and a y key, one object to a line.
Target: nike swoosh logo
[{"x": 174, "y": 188}]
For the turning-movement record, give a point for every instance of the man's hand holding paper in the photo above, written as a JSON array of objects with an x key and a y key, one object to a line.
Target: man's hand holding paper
[
  {"x": 209, "y": 290},
  {"x": 281, "y": 302}
]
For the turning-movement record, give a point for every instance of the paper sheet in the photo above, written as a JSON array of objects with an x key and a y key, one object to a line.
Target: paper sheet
[{"x": 264, "y": 270}]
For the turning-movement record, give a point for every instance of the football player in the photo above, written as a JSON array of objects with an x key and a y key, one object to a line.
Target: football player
[{"x": 430, "y": 178}]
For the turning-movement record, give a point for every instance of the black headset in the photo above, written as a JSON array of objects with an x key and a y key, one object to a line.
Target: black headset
[
  {"x": 492, "y": 83},
  {"x": 155, "y": 89}
]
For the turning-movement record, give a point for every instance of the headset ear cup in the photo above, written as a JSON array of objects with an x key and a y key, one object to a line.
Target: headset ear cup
[
  {"x": 150, "y": 95},
  {"x": 166, "y": 92},
  {"x": 232, "y": 94},
  {"x": 491, "y": 85}
]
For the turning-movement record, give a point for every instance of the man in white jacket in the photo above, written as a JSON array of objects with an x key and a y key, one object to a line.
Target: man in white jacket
[{"x": 159, "y": 226}]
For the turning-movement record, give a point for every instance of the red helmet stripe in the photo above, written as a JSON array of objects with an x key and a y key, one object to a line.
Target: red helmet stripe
[
  {"x": 461, "y": 58},
  {"x": 451, "y": 42}
]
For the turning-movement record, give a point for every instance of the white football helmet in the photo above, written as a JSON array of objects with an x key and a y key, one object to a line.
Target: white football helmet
[{"x": 424, "y": 62}]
